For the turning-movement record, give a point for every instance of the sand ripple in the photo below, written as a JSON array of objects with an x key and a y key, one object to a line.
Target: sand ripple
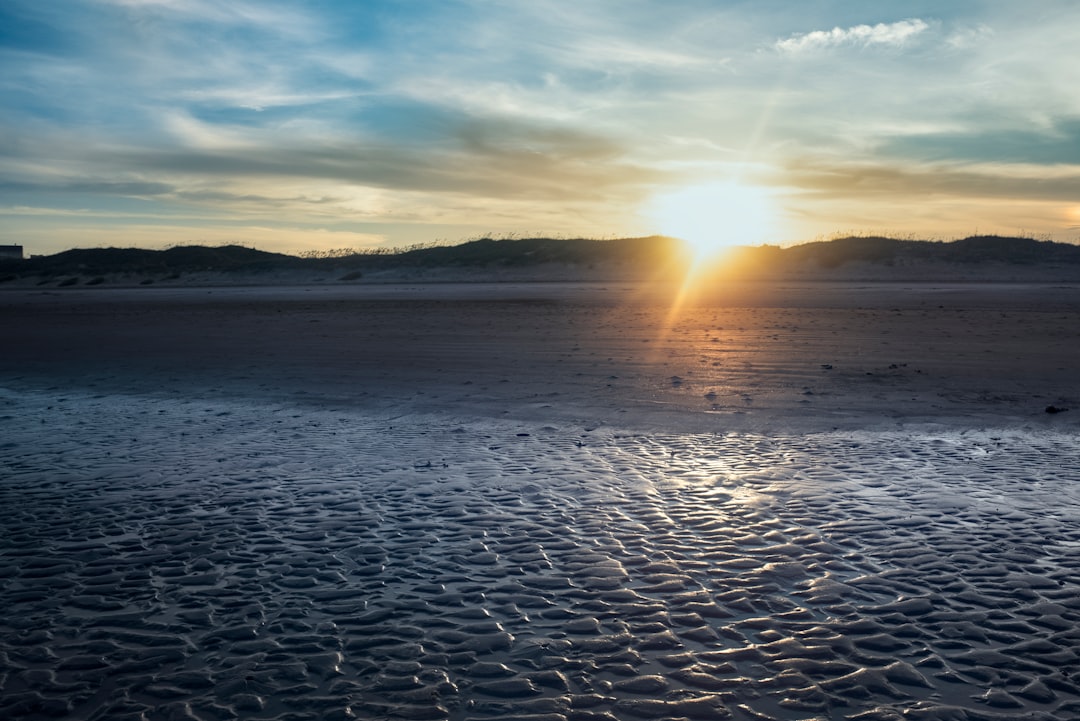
[{"x": 175, "y": 560}]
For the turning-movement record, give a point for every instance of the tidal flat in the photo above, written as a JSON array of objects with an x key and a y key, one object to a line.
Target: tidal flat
[{"x": 219, "y": 532}]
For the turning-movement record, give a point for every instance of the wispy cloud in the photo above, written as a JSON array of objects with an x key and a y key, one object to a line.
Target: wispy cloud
[
  {"x": 275, "y": 17},
  {"x": 902, "y": 181},
  {"x": 890, "y": 34},
  {"x": 970, "y": 36}
]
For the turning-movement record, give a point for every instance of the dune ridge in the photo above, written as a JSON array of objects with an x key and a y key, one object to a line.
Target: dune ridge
[{"x": 559, "y": 259}]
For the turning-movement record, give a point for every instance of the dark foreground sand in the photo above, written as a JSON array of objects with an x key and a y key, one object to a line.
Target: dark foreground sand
[{"x": 520, "y": 502}]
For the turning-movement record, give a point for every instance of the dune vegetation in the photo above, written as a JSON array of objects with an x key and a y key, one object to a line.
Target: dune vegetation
[{"x": 629, "y": 256}]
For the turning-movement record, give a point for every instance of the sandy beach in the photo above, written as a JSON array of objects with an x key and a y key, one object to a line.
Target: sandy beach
[
  {"x": 546, "y": 501},
  {"x": 753, "y": 356}
]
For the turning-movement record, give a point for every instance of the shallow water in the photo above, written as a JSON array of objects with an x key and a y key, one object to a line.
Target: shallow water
[{"x": 168, "y": 559}]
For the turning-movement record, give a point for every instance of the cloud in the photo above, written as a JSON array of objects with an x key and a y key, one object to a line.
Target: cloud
[
  {"x": 419, "y": 120},
  {"x": 1056, "y": 142},
  {"x": 91, "y": 186},
  {"x": 491, "y": 156},
  {"x": 481, "y": 164},
  {"x": 462, "y": 166},
  {"x": 969, "y": 37},
  {"x": 895, "y": 34},
  {"x": 904, "y": 182},
  {"x": 268, "y": 16}
]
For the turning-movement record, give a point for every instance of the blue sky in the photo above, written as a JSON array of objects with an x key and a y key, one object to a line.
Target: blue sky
[{"x": 315, "y": 124}]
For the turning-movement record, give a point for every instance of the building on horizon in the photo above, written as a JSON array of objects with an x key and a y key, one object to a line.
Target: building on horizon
[{"x": 11, "y": 251}]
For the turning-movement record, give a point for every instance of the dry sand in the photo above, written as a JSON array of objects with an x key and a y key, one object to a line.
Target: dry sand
[
  {"x": 540, "y": 501},
  {"x": 765, "y": 356}
]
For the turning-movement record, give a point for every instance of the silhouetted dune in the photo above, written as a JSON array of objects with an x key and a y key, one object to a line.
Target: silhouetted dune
[
  {"x": 841, "y": 251},
  {"x": 137, "y": 260},
  {"x": 646, "y": 254},
  {"x": 975, "y": 249},
  {"x": 1010, "y": 250},
  {"x": 488, "y": 252}
]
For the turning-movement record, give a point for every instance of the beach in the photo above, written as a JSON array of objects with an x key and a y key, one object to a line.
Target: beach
[
  {"x": 754, "y": 356},
  {"x": 557, "y": 501}
]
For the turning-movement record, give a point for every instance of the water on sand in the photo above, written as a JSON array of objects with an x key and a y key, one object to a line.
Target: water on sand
[{"x": 181, "y": 559}]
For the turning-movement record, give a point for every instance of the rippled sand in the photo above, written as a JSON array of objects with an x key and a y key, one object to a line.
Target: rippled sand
[{"x": 170, "y": 559}]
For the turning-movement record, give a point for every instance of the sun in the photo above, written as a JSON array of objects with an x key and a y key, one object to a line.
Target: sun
[{"x": 715, "y": 217}]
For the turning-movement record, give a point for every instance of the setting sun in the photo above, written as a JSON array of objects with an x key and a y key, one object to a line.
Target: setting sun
[{"x": 716, "y": 216}]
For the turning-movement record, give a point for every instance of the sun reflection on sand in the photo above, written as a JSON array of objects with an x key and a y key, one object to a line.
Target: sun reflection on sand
[
  {"x": 698, "y": 276},
  {"x": 716, "y": 221},
  {"x": 317, "y": 559}
]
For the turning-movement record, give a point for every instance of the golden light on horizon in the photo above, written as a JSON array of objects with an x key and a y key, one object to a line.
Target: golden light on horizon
[
  {"x": 1072, "y": 215},
  {"x": 715, "y": 217}
]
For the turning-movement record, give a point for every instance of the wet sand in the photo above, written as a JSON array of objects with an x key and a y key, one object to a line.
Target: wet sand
[{"x": 520, "y": 502}]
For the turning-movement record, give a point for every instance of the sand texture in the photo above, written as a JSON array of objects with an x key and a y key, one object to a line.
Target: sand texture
[{"x": 217, "y": 520}]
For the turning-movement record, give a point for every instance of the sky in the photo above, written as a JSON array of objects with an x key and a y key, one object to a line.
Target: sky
[{"x": 309, "y": 125}]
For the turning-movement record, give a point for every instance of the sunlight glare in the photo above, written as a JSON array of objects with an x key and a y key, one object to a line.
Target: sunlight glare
[{"x": 713, "y": 218}]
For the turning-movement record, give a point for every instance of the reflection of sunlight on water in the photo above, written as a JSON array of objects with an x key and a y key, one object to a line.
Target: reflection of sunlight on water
[
  {"x": 562, "y": 567},
  {"x": 691, "y": 465}
]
